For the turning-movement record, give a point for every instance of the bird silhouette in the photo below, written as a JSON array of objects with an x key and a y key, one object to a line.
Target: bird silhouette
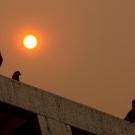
[
  {"x": 131, "y": 114},
  {"x": 16, "y": 75},
  {"x": 1, "y": 59}
]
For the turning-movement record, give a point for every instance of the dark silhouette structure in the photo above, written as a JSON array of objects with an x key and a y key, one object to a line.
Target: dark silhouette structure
[
  {"x": 17, "y": 121},
  {"x": 131, "y": 114},
  {"x": 77, "y": 131},
  {"x": 1, "y": 59},
  {"x": 16, "y": 75}
]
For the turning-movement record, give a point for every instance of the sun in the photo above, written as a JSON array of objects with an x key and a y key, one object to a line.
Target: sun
[{"x": 30, "y": 41}]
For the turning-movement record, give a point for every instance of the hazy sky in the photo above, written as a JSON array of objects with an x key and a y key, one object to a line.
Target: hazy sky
[{"x": 86, "y": 51}]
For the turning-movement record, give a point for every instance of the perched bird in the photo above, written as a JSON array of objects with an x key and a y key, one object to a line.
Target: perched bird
[
  {"x": 131, "y": 114},
  {"x": 1, "y": 59},
  {"x": 16, "y": 75}
]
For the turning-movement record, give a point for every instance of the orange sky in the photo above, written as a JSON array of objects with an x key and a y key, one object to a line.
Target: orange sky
[{"x": 86, "y": 49}]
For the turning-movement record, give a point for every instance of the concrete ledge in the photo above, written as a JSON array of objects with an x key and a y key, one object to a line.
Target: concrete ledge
[{"x": 60, "y": 109}]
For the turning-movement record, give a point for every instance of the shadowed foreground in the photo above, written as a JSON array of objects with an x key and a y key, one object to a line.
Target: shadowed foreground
[{"x": 16, "y": 121}]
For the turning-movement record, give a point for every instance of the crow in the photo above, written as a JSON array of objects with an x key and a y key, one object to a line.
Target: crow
[
  {"x": 131, "y": 114},
  {"x": 1, "y": 59},
  {"x": 16, "y": 75}
]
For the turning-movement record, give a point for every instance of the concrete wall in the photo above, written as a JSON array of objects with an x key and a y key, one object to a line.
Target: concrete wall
[{"x": 56, "y": 114}]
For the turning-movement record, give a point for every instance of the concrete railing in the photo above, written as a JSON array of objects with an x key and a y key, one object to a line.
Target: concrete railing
[{"x": 59, "y": 113}]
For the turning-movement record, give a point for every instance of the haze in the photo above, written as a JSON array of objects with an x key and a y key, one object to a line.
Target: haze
[{"x": 86, "y": 50}]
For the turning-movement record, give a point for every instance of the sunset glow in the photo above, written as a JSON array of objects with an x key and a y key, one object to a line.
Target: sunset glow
[{"x": 30, "y": 41}]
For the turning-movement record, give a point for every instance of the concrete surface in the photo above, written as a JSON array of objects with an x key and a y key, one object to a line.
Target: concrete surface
[{"x": 56, "y": 114}]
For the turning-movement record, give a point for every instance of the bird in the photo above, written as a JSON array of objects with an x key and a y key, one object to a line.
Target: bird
[
  {"x": 16, "y": 75},
  {"x": 131, "y": 114},
  {"x": 1, "y": 59}
]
